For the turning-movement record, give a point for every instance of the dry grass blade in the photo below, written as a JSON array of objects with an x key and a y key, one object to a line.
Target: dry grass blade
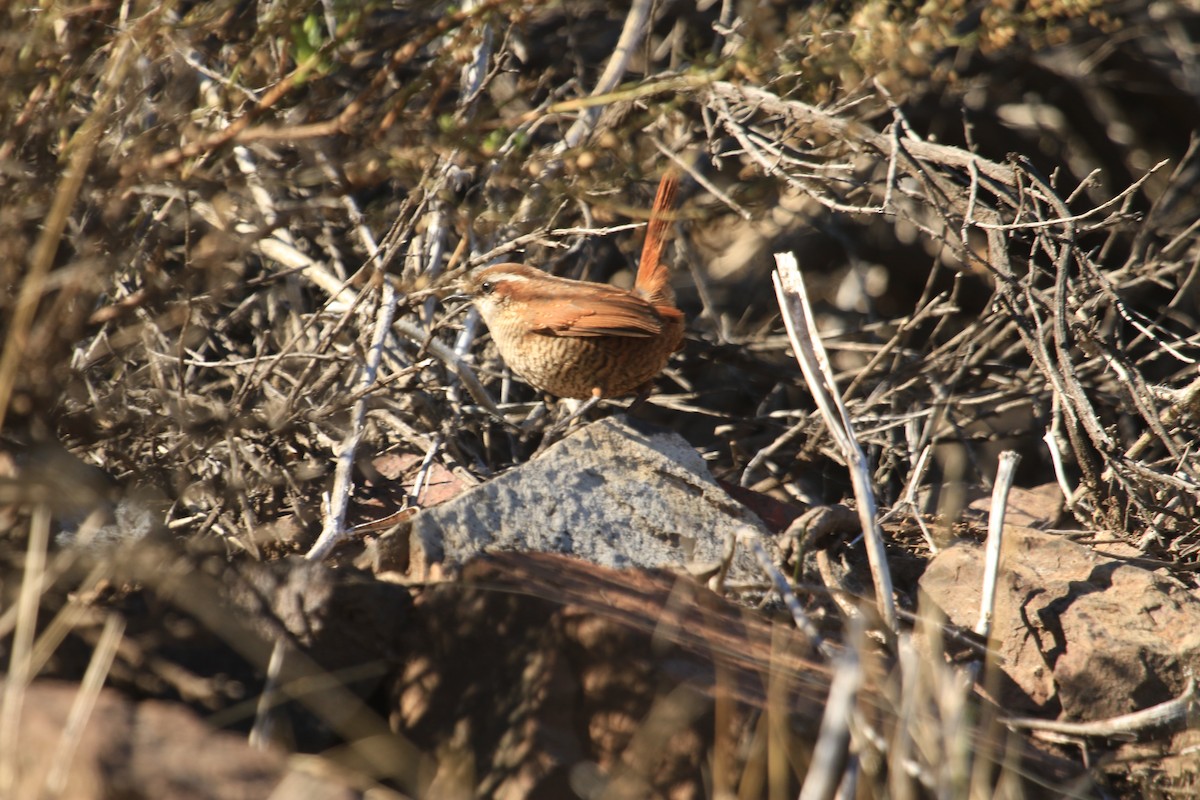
[
  {"x": 831, "y": 754},
  {"x": 82, "y": 149},
  {"x": 19, "y": 672},
  {"x": 85, "y": 701}
]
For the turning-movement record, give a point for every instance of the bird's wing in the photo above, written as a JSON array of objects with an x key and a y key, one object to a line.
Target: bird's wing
[{"x": 608, "y": 314}]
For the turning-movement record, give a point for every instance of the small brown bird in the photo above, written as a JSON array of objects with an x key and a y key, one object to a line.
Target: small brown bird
[{"x": 582, "y": 339}]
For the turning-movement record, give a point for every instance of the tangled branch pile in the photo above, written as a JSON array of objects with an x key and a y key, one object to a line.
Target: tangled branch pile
[
  {"x": 225, "y": 227},
  {"x": 202, "y": 204}
]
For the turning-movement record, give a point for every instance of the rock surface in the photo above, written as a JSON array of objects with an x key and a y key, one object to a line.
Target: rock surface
[
  {"x": 148, "y": 749},
  {"x": 535, "y": 675},
  {"x": 1078, "y": 632},
  {"x": 613, "y": 493}
]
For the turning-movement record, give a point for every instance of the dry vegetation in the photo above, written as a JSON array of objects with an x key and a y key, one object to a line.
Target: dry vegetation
[{"x": 224, "y": 227}]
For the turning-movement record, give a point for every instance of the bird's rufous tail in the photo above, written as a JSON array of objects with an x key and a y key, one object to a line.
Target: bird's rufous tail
[{"x": 653, "y": 278}]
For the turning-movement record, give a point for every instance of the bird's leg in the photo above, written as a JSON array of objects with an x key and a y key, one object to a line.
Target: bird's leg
[
  {"x": 639, "y": 399},
  {"x": 558, "y": 429}
]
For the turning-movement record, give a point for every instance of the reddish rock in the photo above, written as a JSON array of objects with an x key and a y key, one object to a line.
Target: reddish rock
[{"x": 1090, "y": 635}]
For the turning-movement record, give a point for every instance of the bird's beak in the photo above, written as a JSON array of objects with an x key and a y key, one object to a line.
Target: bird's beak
[
  {"x": 458, "y": 291},
  {"x": 456, "y": 304}
]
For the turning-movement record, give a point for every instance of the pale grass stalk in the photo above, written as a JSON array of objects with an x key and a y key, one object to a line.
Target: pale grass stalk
[
  {"x": 383, "y": 753},
  {"x": 84, "y": 704},
  {"x": 20, "y": 671},
  {"x": 912, "y": 700},
  {"x": 79, "y": 152},
  {"x": 264, "y": 717},
  {"x": 828, "y": 766},
  {"x": 724, "y": 749},
  {"x": 670, "y": 714},
  {"x": 62, "y": 623},
  {"x": 67, "y": 617},
  {"x": 778, "y": 718}
]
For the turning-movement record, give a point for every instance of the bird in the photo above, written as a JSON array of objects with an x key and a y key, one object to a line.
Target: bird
[{"x": 580, "y": 339}]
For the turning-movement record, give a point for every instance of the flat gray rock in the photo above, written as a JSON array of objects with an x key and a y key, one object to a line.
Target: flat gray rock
[{"x": 613, "y": 493}]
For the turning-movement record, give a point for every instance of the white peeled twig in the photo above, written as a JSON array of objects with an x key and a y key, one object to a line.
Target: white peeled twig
[
  {"x": 814, "y": 363},
  {"x": 475, "y": 71},
  {"x": 278, "y": 248},
  {"x": 995, "y": 539},
  {"x": 1051, "y": 439}
]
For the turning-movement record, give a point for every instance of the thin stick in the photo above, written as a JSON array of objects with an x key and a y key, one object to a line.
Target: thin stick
[
  {"x": 1165, "y": 713},
  {"x": 814, "y": 363},
  {"x": 635, "y": 29},
  {"x": 339, "y": 498},
  {"x": 699, "y": 178},
  {"x": 453, "y": 360},
  {"x": 803, "y": 623}
]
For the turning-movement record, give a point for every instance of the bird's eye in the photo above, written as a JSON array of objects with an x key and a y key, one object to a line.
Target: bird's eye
[{"x": 487, "y": 287}]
